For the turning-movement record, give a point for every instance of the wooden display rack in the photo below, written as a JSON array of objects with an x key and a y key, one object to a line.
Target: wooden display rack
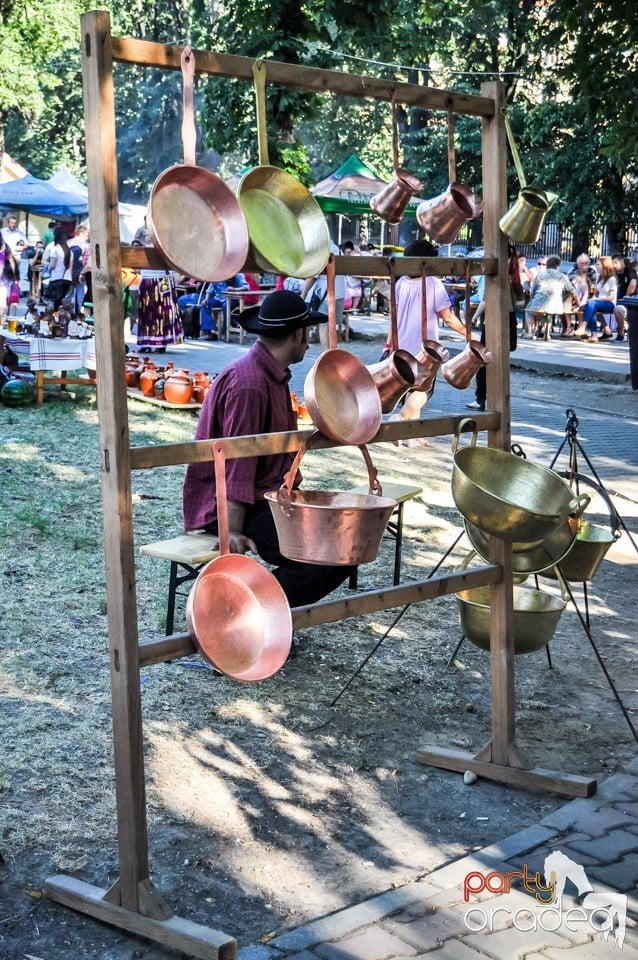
[{"x": 133, "y": 903}]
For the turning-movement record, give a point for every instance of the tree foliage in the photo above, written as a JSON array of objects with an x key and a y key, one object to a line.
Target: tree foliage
[{"x": 569, "y": 72}]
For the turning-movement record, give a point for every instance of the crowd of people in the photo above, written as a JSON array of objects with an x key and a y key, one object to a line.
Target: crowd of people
[{"x": 585, "y": 298}]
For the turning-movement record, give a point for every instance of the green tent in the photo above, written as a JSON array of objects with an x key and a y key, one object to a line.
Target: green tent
[{"x": 350, "y": 189}]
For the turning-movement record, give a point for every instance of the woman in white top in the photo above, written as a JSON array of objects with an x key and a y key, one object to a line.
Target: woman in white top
[
  {"x": 410, "y": 334},
  {"x": 603, "y": 302},
  {"x": 60, "y": 264}
]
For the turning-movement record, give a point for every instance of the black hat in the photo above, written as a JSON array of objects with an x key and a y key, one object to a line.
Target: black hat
[{"x": 279, "y": 313}]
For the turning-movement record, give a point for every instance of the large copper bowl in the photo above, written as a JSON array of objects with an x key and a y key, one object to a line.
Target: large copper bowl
[
  {"x": 536, "y": 617},
  {"x": 342, "y": 397}
]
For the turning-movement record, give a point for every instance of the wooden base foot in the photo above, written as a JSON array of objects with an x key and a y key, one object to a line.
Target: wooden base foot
[
  {"x": 568, "y": 784},
  {"x": 177, "y": 933}
]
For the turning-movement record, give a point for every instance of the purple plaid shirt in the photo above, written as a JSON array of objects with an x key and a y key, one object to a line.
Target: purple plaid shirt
[{"x": 250, "y": 396}]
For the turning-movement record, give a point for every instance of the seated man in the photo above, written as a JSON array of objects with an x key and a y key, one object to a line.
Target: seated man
[{"x": 250, "y": 397}]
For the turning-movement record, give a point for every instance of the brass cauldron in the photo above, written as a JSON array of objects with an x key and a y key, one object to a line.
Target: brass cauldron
[
  {"x": 530, "y": 557},
  {"x": 536, "y": 617},
  {"x": 509, "y": 497},
  {"x": 587, "y": 553},
  {"x": 319, "y": 526}
]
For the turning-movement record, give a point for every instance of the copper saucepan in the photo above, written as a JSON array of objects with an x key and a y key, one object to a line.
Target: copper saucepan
[
  {"x": 194, "y": 220},
  {"x": 339, "y": 391},
  {"x": 237, "y": 611},
  {"x": 288, "y": 231}
]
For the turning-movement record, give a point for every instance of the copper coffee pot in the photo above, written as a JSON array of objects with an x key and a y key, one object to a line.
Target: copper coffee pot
[
  {"x": 443, "y": 216},
  {"x": 524, "y": 220},
  {"x": 461, "y": 369},
  {"x": 390, "y": 203}
]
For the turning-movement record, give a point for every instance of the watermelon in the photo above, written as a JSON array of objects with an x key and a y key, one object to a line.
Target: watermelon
[{"x": 17, "y": 393}]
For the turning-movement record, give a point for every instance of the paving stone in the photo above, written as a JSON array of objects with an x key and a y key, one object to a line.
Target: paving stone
[
  {"x": 258, "y": 952},
  {"x": 622, "y": 876},
  {"x": 427, "y": 933},
  {"x": 453, "y": 874},
  {"x": 572, "y": 813},
  {"x": 302, "y": 955},
  {"x": 617, "y": 787},
  {"x": 604, "y": 820},
  {"x": 372, "y": 944},
  {"x": 452, "y": 950},
  {"x": 511, "y": 944},
  {"x": 597, "y": 949},
  {"x": 519, "y": 842},
  {"x": 354, "y": 918},
  {"x": 609, "y": 848},
  {"x": 629, "y": 807}
]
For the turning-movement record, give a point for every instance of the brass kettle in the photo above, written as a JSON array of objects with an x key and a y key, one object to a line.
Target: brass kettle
[{"x": 523, "y": 222}]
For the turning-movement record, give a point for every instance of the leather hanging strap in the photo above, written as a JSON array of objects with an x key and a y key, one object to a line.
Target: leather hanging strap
[
  {"x": 424, "y": 304},
  {"x": 468, "y": 312},
  {"x": 332, "y": 303},
  {"x": 515, "y": 155},
  {"x": 395, "y": 134},
  {"x": 451, "y": 154},
  {"x": 394, "y": 320}
]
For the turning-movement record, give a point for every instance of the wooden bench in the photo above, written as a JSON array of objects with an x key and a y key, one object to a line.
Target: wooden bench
[
  {"x": 401, "y": 492},
  {"x": 188, "y": 553}
]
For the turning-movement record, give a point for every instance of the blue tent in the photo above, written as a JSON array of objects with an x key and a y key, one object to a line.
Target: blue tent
[{"x": 43, "y": 198}]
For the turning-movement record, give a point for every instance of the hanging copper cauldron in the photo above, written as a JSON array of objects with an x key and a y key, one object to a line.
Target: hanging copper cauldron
[
  {"x": 536, "y": 616},
  {"x": 319, "y": 526}
]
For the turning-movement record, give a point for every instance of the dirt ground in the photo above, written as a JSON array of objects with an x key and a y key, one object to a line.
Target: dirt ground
[{"x": 268, "y": 805}]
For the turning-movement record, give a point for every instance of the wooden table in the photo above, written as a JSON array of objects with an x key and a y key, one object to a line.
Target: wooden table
[
  {"x": 53, "y": 354},
  {"x": 232, "y": 293}
]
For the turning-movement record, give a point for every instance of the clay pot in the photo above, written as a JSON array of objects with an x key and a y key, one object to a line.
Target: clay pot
[
  {"x": 147, "y": 380},
  {"x": 178, "y": 387},
  {"x": 200, "y": 385}
]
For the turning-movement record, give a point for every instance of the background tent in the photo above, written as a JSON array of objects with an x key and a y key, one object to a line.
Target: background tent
[
  {"x": 350, "y": 188},
  {"x": 43, "y": 198}
]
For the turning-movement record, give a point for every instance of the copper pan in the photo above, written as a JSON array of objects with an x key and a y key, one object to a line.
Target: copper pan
[
  {"x": 237, "y": 612},
  {"x": 339, "y": 391},
  {"x": 536, "y": 616},
  {"x": 194, "y": 220}
]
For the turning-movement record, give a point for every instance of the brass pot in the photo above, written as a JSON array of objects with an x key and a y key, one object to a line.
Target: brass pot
[
  {"x": 287, "y": 229},
  {"x": 507, "y": 496},
  {"x": 523, "y": 222},
  {"x": 536, "y": 617},
  {"x": 586, "y": 555},
  {"x": 318, "y": 526},
  {"x": 534, "y": 557}
]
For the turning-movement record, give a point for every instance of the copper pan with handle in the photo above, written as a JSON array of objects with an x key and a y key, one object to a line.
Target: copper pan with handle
[
  {"x": 237, "y": 612},
  {"x": 194, "y": 219},
  {"x": 339, "y": 391}
]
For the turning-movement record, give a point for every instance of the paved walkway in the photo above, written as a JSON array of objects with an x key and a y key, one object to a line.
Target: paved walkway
[{"x": 442, "y": 916}]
